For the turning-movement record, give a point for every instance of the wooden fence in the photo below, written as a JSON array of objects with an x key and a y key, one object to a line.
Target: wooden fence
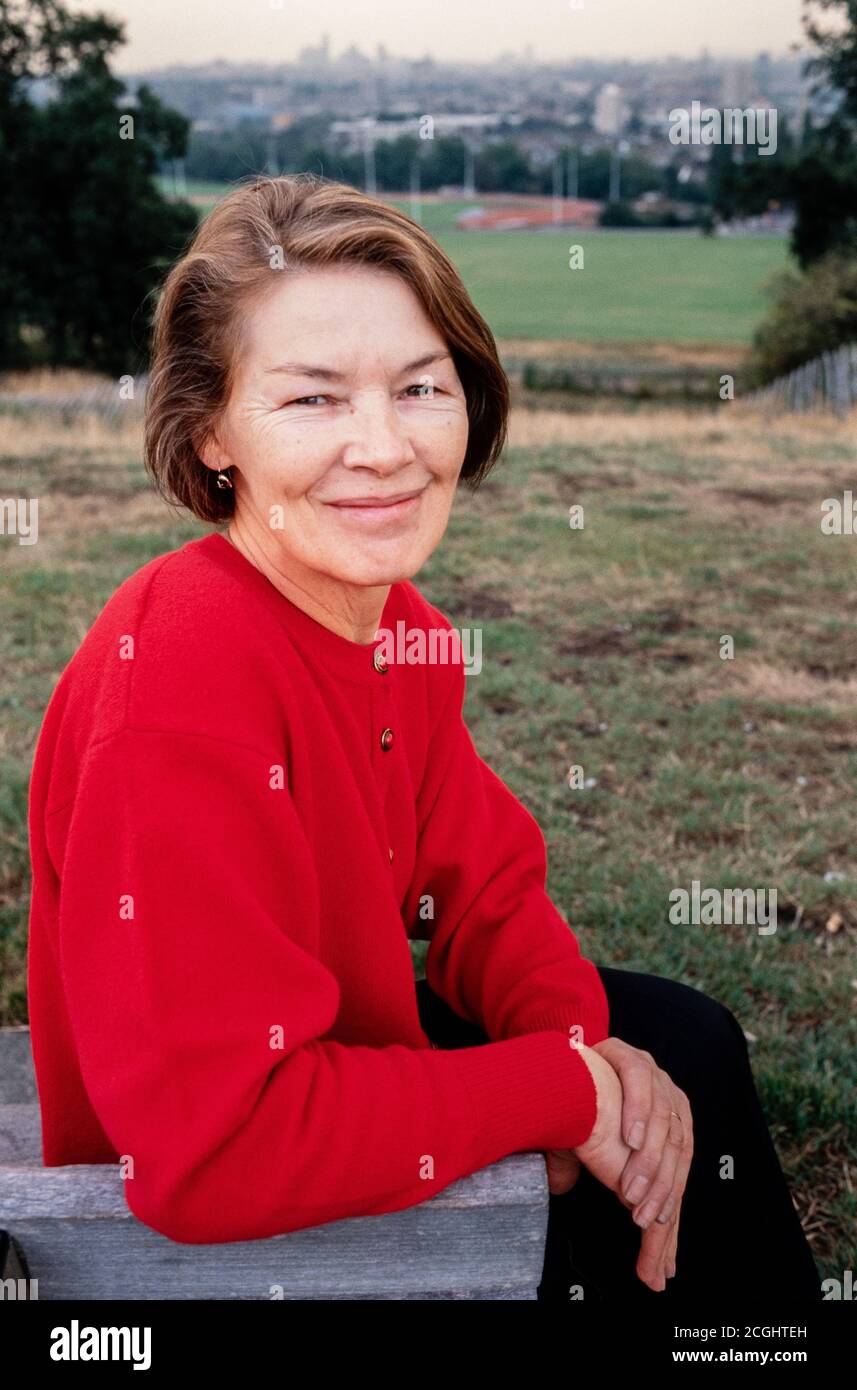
[
  {"x": 827, "y": 383},
  {"x": 103, "y": 399}
]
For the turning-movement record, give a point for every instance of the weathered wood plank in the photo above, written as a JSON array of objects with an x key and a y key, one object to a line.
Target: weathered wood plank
[
  {"x": 20, "y": 1135},
  {"x": 424, "y": 1252},
  {"x": 17, "y": 1077},
  {"x": 481, "y": 1238}
]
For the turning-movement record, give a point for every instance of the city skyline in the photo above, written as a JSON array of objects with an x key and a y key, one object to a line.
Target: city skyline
[{"x": 266, "y": 31}]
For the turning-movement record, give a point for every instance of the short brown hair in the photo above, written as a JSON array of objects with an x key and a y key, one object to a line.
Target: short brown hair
[{"x": 316, "y": 222}]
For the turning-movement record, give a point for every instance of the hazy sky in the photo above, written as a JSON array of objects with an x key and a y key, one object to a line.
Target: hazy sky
[{"x": 188, "y": 31}]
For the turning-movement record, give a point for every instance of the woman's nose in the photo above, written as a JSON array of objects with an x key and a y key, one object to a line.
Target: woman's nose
[{"x": 377, "y": 436}]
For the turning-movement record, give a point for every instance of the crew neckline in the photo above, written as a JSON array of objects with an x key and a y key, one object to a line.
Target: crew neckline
[{"x": 354, "y": 660}]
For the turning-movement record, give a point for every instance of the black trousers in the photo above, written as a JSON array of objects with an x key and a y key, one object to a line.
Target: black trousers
[{"x": 740, "y": 1238}]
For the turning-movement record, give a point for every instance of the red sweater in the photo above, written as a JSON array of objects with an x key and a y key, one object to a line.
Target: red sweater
[{"x": 227, "y": 866}]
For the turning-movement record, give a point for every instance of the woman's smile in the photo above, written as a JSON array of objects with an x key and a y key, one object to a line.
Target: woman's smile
[{"x": 380, "y": 510}]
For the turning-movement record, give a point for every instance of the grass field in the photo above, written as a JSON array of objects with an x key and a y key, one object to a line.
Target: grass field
[
  {"x": 600, "y": 648},
  {"x": 635, "y": 286}
]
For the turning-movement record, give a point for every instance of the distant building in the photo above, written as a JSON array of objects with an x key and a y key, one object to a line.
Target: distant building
[
  {"x": 353, "y": 133},
  {"x": 611, "y": 113},
  {"x": 319, "y": 55},
  {"x": 763, "y": 73},
  {"x": 737, "y": 85}
]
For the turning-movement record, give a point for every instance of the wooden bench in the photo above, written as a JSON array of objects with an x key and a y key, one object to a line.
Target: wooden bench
[{"x": 70, "y": 1229}]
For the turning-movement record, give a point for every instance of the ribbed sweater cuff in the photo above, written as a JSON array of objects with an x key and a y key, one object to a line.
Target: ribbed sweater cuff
[
  {"x": 560, "y": 1018},
  {"x": 532, "y": 1092}
]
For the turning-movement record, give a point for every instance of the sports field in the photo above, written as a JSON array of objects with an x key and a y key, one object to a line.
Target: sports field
[{"x": 634, "y": 286}]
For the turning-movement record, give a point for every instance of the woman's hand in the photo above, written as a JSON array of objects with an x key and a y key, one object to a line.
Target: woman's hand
[
  {"x": 636, "y": 1135},
  {"x": 657, "y": 1124}
]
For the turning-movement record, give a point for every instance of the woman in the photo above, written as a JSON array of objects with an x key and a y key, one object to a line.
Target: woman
[{"x": 241, "y": 810}]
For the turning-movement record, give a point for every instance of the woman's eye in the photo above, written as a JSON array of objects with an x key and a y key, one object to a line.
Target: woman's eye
[{"x": 423, "y": 389}]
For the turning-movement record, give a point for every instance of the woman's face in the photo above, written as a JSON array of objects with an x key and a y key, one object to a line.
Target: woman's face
[{"x": 346, "y": 428}]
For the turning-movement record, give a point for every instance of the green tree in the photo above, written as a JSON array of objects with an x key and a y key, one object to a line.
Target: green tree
[
  {"x": 744, "y": 183},
  {"x": 500, "y": 166},
  {"x": 824, "y": 188},
  {"x": 835, "y": 58},
  {"x": 620, "y": 214},
  {"x": 443, "y": 161},
  {"x": 91, "y": 233},
  {"x": 393, "y": 161},
  {"x": 823, "y": 181},
  {"x": 814, "y": 312}
]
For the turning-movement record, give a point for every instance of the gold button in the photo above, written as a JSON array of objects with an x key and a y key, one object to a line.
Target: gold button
[
  {"x": 387, "y": 739},
  {"x": 379, "y": 661},
  {"x": 391, "y": 854}
]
